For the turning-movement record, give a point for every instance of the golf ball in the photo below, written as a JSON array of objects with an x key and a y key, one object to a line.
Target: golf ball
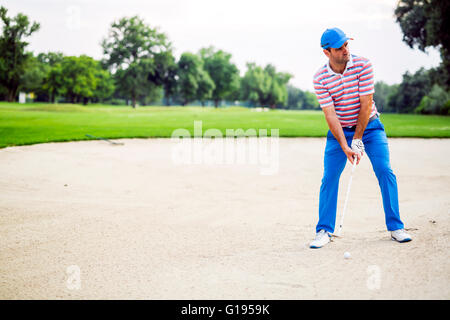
[{"x": 347, "y": 255}]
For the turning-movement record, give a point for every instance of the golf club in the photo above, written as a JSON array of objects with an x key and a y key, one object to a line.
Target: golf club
[
  {"x": 346, "y": 198},
  {"x": 107, "y": 140}
]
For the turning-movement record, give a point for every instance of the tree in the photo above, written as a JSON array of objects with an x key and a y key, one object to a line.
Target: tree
[
  {"x": 194, "y": 82},
  {"x": 80, "y": 79},
  {"x": 299, "y": 99},
  {"x": 295, "y": 97},
  {"x": 264, "y": 87},
  {"x": 36, "y": 75},
  {"x": 436, "y": 102},
  {"x": 277, "y": 94},
  {"x": 392, "y": 98},
  {"x": 189, "y": 67},
  {"x": 105, "y": 84},
  {"x": 50, "y": 58},
  {"x": 166, "y": 74},
  {"x": 222, "y": 71},
  {"x": 205, "y": 87},
  {"x": 425, "y": 23},
  {"x": 254, "y": 84},
  {"x": 49, "y": 86},
  {"x": 411, "y": 91},
  {"x": 381, "y": 96},
  {"x": 132, "y": 53},
  {"x": 13, "y": 58},
  {"x": 310, "y": 101},
  {"x": 53, "y": 82}
]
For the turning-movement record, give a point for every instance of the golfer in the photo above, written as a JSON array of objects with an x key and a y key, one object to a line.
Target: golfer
[{"x": 344, "y": 87}]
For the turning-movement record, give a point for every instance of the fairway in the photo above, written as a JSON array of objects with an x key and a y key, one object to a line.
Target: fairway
[{"x": 37, "y": 123}]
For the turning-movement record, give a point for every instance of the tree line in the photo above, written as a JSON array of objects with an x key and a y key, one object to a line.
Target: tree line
[{"x": 138, "y": 67}]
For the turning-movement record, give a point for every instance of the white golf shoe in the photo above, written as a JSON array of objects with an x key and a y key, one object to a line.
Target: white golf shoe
[
  {"x": 322, "y": 238},
  {"x": 400, "y": 235}
]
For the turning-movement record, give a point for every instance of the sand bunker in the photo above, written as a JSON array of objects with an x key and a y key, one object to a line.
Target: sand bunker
[{"x": 89, "y": 220}]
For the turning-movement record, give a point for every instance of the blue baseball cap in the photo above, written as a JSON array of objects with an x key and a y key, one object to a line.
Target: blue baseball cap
[{"x": 333, "y": 38}]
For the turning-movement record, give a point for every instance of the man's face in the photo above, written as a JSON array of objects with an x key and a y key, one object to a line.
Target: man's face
[{"x": 339, "y": 56}]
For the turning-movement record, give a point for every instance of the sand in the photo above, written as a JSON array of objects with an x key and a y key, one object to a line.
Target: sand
[{"x": 89, "y": 220}]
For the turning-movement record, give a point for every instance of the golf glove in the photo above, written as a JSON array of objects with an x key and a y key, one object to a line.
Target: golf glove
[{"x": 357, "y": 146}]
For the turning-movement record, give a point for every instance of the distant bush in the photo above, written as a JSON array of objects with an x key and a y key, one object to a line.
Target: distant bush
[{"x": 436, "y": 102}]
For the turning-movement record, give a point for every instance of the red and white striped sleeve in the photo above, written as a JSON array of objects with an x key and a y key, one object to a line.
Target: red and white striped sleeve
[
  {"x": 366, "y": 82},
  {"x": 322, "y": 94}
]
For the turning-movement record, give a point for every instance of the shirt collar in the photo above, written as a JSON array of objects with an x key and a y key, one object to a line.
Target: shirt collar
[{"x": 349, "y": 65}]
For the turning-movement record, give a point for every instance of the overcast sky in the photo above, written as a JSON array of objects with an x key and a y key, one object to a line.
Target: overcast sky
[{"x": 285, "y": 33}]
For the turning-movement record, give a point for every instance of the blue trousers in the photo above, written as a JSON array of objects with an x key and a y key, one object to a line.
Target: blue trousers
[{"x": 376, "y": 147}]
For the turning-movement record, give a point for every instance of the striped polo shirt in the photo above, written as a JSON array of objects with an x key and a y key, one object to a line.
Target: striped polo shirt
[{"x": 343, "y": 90}]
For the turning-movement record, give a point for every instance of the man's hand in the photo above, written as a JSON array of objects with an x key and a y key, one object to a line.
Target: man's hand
[
  {"x": 351, "y": 155},
  {"x": 358, "y": 146},
  {"x": 338, "y": 133}
]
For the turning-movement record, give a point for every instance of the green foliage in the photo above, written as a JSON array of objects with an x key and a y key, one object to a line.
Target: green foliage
[
  {"x": 138, "y": 56},
  {"x": 194, "y": 82},
  {"x": 37, "y": 75},
  {"x": 151, "y": 97},
  {"x": 264, "y": 87},
  {"x": 411, "y": 91},
  {"x": 51, "y": 82},
  {"x": 79, "y": 79},
  {"x": 310, "y": 101},
  {"x": 392, "y": 98},
  {"x": 295, "y": 98},
  {"x": 425, "y": 23},
  {"x": 34, "y": 75},
  {"x": 382, "y": 94},
  {"x": 165, "y": 73},
  {"x": 299, "y": 99},
  {"x": 13, "y": 58},
  {"x": 105, "y": 84},
  {"x": 255, "y": 84},
  {"x": 205, "y": 86},
  {"x": 277, "y": 94},
  {"x": 222, "y": 71},
  {"x": 436, "y": 102}
]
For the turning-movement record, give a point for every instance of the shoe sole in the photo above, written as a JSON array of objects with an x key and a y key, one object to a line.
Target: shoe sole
[
  {"x": 401, "y": 241},
  {"x": 316, "y": 247}
]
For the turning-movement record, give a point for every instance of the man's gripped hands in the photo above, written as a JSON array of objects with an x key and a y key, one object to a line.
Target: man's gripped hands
[{"x": 356, "y": 150}]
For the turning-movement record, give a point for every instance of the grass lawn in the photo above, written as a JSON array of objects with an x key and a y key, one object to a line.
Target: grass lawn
[{"x": 22, "y": 124}]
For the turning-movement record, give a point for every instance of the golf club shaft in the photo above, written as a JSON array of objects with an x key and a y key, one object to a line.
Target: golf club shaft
[
  {"x": 346, "y": 197},
  {"x": 107, "y": 140}
]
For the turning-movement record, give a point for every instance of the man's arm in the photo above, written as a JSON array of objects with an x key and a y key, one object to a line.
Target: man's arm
[
  {"x": 366, "y": 90},
  {"x": 338, "y": 133},
  {"x": 364, "y": 114}
]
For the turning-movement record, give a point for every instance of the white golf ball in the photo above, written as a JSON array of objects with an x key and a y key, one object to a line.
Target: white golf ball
[{"x": 347, "y": 255}]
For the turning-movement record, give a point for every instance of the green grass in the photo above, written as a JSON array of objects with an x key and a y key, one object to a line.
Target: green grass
[{"x": 22, "y": 124}]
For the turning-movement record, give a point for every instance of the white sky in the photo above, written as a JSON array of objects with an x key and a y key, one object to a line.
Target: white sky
[{"x": 285, "y": 33}]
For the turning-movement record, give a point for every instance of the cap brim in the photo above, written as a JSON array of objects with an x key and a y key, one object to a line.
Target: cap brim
[{"x": 340, "y": 43}]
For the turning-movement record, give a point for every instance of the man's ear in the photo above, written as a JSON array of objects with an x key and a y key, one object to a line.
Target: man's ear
[{"x": 327, "y": 53}]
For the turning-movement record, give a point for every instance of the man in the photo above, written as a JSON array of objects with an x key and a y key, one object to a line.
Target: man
[{"x": 344, "y": 88}]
